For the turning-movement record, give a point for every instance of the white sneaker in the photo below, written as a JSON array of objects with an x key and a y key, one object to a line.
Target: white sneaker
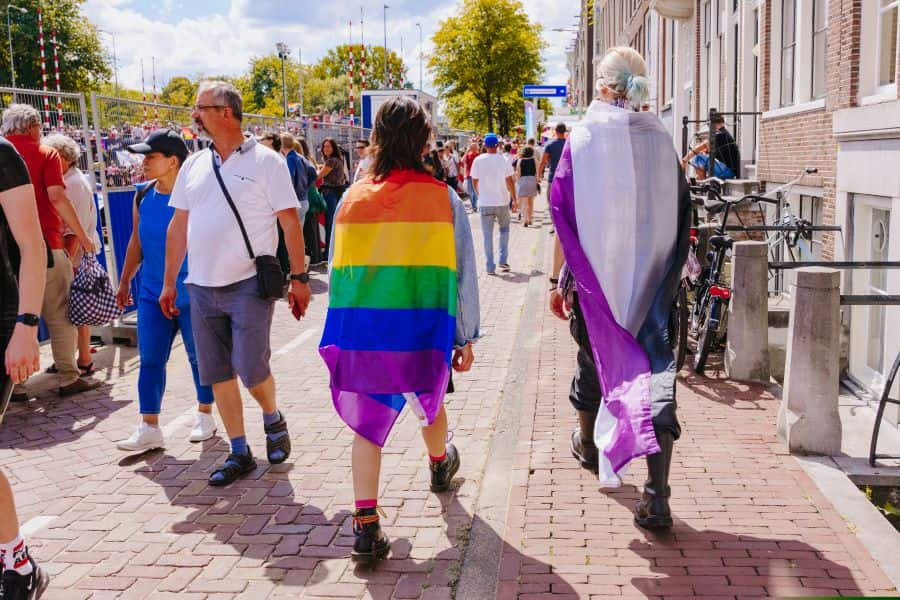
[
  {"x": 146, "y": 437},
  {"x": 204, "y": 427}
]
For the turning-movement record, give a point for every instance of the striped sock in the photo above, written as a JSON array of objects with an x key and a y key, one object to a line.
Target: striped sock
[
  {"x": 437, "y": 459},
  {"x": 14, "y": 556},
  {"x": 370, "y": 503}
]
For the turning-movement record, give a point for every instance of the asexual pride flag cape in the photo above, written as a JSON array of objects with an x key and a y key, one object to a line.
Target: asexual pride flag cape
[
  {"x": 621, "y": 220},
  {"x": 392, "y": 303}
]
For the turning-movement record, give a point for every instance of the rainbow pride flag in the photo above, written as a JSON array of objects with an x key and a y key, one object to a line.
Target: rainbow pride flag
[{"x": 391, "y": 320}]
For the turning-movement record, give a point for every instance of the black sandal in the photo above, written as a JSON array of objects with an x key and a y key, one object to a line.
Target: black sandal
[
  {"x": 236, "y": 466},
  {"x": 281, "y": 446},
  {"x": 87, "y": 369}
]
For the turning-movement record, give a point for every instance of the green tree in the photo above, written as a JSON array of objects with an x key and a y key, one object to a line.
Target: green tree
[
  {"x": 180, "y": 91},
  {"x": 262, "y": 88},
  {"x": 336, "y": 63},
  {"x": 84, "y": 65},
  {"x": 326, "y": 94},
  {"x": 486, "y": 53}
]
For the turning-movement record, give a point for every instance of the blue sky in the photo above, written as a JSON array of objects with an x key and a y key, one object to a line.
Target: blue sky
[{"x": 220, "y": 36}]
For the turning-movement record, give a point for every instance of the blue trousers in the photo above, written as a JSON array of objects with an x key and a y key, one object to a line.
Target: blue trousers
[
  {"x": 470, "y": 189},
  {"x": 156, "y": 334}
]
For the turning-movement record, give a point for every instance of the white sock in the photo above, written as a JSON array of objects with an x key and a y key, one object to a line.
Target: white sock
[{"x": 14, "y": 556}]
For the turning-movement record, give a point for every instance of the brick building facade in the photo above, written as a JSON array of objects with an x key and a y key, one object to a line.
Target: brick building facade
[{"x": 823, "y": 76}]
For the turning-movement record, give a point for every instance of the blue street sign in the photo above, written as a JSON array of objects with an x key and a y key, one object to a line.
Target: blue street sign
[{"x": 544, "y": 91}]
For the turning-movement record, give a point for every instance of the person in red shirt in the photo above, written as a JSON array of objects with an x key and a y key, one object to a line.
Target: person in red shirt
[
  {"x": 468, "y": 159},
  {"x": 21, "y": 124}
]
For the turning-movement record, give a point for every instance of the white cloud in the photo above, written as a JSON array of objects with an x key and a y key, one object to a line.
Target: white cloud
[{"x": 184, "y": 42}]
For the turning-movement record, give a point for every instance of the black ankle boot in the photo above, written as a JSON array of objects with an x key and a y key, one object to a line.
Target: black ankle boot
[
  {"x": 371, "y": 543},
  {"x": 582, "y": 442},
  {"x": 653, "y": 512}
]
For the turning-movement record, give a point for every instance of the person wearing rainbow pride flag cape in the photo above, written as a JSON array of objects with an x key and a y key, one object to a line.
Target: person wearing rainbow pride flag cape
[
  {"x": 403, "y": 309},
  {"x": 621, "y": 209}
]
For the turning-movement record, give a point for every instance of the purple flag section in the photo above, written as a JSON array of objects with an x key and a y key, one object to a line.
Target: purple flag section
[{"x": 622, "y": 364}]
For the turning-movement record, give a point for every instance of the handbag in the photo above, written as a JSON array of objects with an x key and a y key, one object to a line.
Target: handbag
[
  {"x": 270, "y": 279},
  {"x": 316, "y": 200},
  {"x": 92, "y": 300}
]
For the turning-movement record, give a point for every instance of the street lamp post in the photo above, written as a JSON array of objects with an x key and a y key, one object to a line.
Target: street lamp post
[
  {"x": 115, "y": 61},
  {"x": 12, "y": 66},
  {"x": 419, "y": 25},
  {"x": 384, "y": 73},
  {"x": 283, "y": 53},
  {"x": 300, "y": 77}
]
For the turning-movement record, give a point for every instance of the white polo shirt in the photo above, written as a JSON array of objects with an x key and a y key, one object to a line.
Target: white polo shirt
[{"x": 260, "y": 185}]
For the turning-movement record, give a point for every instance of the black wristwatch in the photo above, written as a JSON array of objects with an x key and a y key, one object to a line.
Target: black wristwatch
[
  {"x": 28, "y": 319},
  {"x": 301, "y": 277}
]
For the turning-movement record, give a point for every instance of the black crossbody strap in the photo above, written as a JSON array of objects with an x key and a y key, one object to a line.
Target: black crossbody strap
[
  {"x": 139, "y": 197},
  {"x": 231, "y": 204}
]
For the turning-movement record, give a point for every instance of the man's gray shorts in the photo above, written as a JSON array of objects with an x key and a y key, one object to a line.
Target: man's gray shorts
[{"x": 231, "y": 331}]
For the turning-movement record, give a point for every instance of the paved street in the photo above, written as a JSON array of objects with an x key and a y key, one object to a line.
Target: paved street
[{"x": 749, "y": 520}]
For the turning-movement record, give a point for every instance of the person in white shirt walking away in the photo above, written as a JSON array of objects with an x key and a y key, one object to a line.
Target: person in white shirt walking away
[{"x": 492, "y": 177}]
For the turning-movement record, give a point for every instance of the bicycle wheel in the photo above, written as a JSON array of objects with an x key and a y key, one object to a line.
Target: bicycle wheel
[
  {"x": 705, "y": 337},
  {"x": 678, "y": 326}
]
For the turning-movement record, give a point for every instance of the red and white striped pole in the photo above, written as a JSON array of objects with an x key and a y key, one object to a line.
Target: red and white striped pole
[
  {"x": 43, "y": 68},
  {"x": 350, "y": 49},
  {"x": 144, "y": 93},
  {"x": 60, "y": 121}
]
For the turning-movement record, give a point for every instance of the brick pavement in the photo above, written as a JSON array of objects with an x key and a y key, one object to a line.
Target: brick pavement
[
  {"x": 150, "y": 527},
  {"x": 115, "y": 526},
  {"x": 749, "y": 521}
]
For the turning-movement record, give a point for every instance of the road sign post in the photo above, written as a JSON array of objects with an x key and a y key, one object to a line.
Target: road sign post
[{"x": 544, "y": 91}]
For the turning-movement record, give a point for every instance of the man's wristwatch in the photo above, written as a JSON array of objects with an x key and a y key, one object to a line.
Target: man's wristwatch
[
  {"x": 301, "y": 277},
  {"x": 28, "y": 319}
]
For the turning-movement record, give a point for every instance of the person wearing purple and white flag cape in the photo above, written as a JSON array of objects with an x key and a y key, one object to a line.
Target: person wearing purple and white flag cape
[{"x": 620, "y": 206}]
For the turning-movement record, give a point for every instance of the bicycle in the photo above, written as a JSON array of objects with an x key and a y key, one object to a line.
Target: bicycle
[{"x": 708, "y": 317}]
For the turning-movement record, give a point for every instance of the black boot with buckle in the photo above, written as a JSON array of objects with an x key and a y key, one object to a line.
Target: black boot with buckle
[
  {"x": 653, "y": 512},
  {"x": 371, "y": 543},
  {"x": 582, "y": 442}
]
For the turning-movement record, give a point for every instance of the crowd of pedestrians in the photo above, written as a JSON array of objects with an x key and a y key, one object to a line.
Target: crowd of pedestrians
[{"x": 403, "y": 306}]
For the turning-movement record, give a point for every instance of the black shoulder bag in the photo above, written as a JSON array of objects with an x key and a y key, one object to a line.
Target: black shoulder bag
[{"x": 270, "y": 279}]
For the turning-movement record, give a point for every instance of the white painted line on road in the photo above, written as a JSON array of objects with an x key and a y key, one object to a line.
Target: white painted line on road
[
  {"x": 297, "y": 341},
  {"x": 34, "y": 525}
]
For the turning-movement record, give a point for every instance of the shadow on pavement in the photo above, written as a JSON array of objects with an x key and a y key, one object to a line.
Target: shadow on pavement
[
  {"x": 443, "y": 570},
  {"x": 49, "y": 419},
  {"x": 257, "y": 517},
  {"x": 293, "y": 541},
  {"x": 690, "y": 561}
]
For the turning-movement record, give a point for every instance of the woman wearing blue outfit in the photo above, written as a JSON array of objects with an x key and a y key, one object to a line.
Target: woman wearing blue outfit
[{"x": 164, "y": 151}]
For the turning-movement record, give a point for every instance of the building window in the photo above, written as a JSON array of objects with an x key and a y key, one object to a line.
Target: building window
[
  {"x": 670, "y": 55},
  {"x": 887, "y": 41},
  {"x": 810, "y": 209},
  {"x": 819, "y": 49},
  {"x": 788, "y": 50}
]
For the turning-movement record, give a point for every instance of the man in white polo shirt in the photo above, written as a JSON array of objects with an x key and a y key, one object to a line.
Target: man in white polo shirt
[
  {"x": 231, "y": 320},
  {"x": 492, "y": 177}
]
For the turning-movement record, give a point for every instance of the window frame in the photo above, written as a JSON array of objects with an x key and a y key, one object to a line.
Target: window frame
[
  {"x": 815, "y": 34},
  {"x": 880, "y": 12},
  {"x": 782, "y": 102}
]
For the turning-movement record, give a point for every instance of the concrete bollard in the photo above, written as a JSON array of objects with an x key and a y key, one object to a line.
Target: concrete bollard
[
  {"x": 808, "y": 418},
  {"x": 747, "y": 353}
]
